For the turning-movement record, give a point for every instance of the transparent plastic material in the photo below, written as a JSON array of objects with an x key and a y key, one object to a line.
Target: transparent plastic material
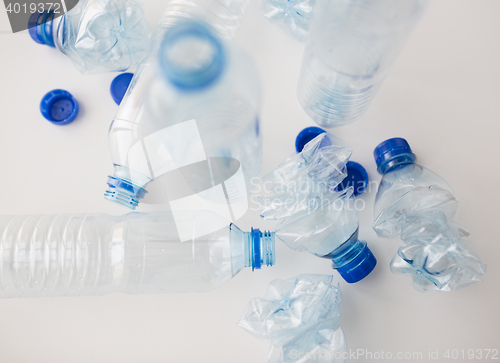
[
  {"x": 300, "y": 317},
  {"x": 306, "y": 180},
  {"x": 96, "y": 254},
  {"x": 100, "y": 35},
  {"x": 349, "y": 52},
  {"x": 293, "y": 16},
  {"x": 315, "y": 217},
  {"x": 224, "y": 16},
  {"x": 178, "y": 113},
  {"x": 418, "y": 206}
]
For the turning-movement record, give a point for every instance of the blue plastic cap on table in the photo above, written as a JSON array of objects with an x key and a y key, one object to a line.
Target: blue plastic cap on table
[{"x": 59, "y": 107}]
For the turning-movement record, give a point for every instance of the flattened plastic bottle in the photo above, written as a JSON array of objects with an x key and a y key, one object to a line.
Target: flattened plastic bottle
[{"x": 418, "y": 206}]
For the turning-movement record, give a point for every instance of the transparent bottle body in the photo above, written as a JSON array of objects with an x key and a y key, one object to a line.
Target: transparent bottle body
[
  {"x": 225, "y": 114},
  {"x": 95, "y": 254},
  {"x": 418, "y": 206},
  {"x": 103, "y": 36},
  {"x": 349, "y": 52}
]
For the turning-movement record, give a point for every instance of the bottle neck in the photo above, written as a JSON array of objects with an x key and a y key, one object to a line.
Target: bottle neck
[
  {"x": 396, "y": 162},
  {"x": 126, "y": 187},
  {"x": 259, "y": 248},
  {"x": 42, "y": 27},
  {"x": 191, "y": 56},
  {"x": 347, "y": 251}
]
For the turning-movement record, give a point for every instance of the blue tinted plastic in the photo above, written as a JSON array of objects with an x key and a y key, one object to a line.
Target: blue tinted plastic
[
  {"x": 59, "y": 107},
  {"x": 136, "y": 253},
  {"x": 119, "y": 86},
  {"x": 300, "y": 317},
  {"x": 418, "y": 206},
  {"x": 97, "y": 36},
  {"x": 393, "y": 153},
  {"x": 307, "y": 135},
  {"x": 317, "y": 218},
  {"x": 293, "y": 16},
  {"x": 357, "y": 178},
  {"x": 195, "y": 39}
]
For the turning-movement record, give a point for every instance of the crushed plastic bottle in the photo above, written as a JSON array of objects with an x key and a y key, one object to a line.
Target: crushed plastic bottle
[
  {"x": 418, "y": 206},
  {"x": 137, "y": 253},
  {"x": 97, "y": 36},
  {"x": 316, "y": 217},
  {"x": 300, "y": 317},
  {"x": 350, "y": 50},
  {"x": 198, "y": 100},
  {"x": 293, "y": 16}
]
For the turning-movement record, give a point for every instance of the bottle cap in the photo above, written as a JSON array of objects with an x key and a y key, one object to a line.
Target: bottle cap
[
  {"x": 358, "y": 268},
  {"x": 59, "y": 107},
  {"x": 357, "y": 177},
  {"x": 40, "y": 27},
  {"x": 307, "y": 135},
  {"x": 119, "y": 86},
  {"x": 390, "y": 148}
]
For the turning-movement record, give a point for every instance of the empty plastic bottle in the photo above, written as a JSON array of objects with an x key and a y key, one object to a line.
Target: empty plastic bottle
[
  {"x": 317, "y": 218},
  {"x": 293, "y": 16},
  {"x": 350, "y": 50},
  {"x": 199, "y": 99},
  {"x": 97, "y": 36},
  {"x": 300, "y": 317},
  {"x": 224, "y": 16},
  {"x": 419, "y": 206},
  {"x": 96, "y": 254}
]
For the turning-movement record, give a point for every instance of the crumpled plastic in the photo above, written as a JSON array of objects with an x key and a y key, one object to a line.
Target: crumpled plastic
[
  {"x": 435, "y": 254},
  {"x": 293, "y": 16},
  {"x": 300, "y": 317},
  {"x": 305, "y": 182}
]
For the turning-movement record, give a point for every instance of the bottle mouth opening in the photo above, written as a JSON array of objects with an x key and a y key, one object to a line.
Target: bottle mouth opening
[
  {"x": 191, "y": 56},
  {"x": 124, "y": 192}
]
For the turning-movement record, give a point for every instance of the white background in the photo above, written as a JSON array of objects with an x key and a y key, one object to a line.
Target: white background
[{"x": 442, "y": 96}]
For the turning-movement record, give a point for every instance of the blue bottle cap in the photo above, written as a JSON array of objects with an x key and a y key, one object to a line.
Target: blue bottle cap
[
  {"x": 119, "y": 86},
  {"x": 59, "y": 107},
  {"x": 391, "y": 148},
  {"x": 358, "y": 268},
  {"x": 40, "y": 27},
  {"x": 357, "y": 177},
  {"x": 307, "y": 135}
]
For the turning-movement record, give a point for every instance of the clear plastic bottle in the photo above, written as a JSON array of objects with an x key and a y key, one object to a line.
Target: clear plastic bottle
[
  {"x": 97, "y": 36},
  {"x": 419, "y": 206},
  {"x": 350, "y": 50},
  {"x": 224, "y": 16},
  {"x": 316, "y": 217},
  {"x": 300, "y": 317},
  {"x": 96, "y": 254},
  {"x": 198, "y": 99},
  {"x": 293, "y": 16}
]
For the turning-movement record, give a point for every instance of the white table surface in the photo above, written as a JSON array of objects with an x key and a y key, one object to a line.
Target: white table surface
[{"x": 442, "y": 95}]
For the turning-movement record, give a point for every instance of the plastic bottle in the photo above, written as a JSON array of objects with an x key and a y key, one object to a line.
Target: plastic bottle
[
  {"x": 96, "y": 254},
  {"x": 300, "y": 317},
  {"x": 197, "y": 100},
  {"x": 317, "y": 218},
  {"x": 349, "y": 52},
  {"x": 97, "y": 36},
  {"x": 224, "y": 16},
  {"x": 419, "y": 206},
  {"x": 293, "y": 16}
]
